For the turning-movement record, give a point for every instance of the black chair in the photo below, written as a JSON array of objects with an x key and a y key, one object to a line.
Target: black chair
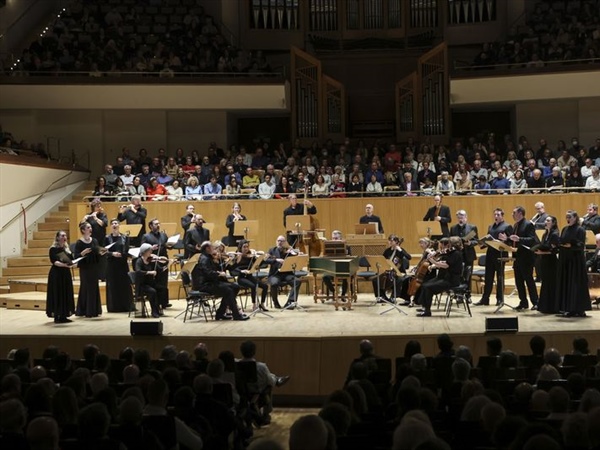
[
  {"x": 460, "y": 294},
  {"x": 478, "y": 275},
  {"x": 194, "y": 298},
  {"x": 138, "y": 298},
  {"x": 583, "y": 363}
]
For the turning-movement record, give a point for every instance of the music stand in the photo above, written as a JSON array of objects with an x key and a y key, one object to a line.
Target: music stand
[
  {"x": 246, "y": 228},
  {"x": 254, "y": 270},
  {"x": 366, "y": 228},
  {"x": 502, "y": 260},
  {"x": 381, "y": 262},
  {"x": 291, "y": 264},
  {"x": 429, "y": 228},
  {"x": 131, "y": 230},
  {"x": 189, "y": 264}
]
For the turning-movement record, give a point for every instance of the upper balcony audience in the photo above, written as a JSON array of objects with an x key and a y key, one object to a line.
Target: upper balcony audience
[
  {"x": 558, "y": 31},
  {"x": 162, "y": 39}
]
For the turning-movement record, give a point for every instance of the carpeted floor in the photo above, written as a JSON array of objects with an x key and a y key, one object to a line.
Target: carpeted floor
[{"x": 281, "y": 421}]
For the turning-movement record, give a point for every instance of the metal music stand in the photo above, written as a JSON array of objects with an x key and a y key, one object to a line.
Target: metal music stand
[
  {"x": 255, "y": 269},
  {"x": 291, "y": 264},
  {"x": 381, "y": 262},
  {"x": 502, "y": 260},
  {"x": 429, "y": 228},
  {"x": 246, "y": 228}
]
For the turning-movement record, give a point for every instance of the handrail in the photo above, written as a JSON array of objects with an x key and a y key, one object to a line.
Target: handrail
[
  {"x": 39, "y": 197},
  {"x": 117, "y": 75},
  {"x": 10, "y": 27},
  {"x": 393, "y": 192},
  {"x": 522, "y": 65}
]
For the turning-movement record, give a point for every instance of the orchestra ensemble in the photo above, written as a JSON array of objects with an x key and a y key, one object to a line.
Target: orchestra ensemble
[{"x": 224, "y": 269}]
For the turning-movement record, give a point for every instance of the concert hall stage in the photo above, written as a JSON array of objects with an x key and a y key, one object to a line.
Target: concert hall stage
[{"x": 315, "y": 346}]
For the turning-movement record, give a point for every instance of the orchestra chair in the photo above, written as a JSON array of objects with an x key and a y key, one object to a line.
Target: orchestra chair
[
  {"x": 365, "y": 273},
  {"x": 245, "y": 382},
  {"x": 460, "y": 294},
  {"x": 194, "y": 298},
  {"x": 478, "y": 275},
  {"x": 138, "y": 299}
]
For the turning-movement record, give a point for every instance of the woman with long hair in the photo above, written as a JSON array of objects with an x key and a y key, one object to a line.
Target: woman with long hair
[
  {"x": 86, "y": 247},
  {"x": 102, "y": 190},
  {"x": 548, "y": 250},
  {"x": 60, "y": 302}
]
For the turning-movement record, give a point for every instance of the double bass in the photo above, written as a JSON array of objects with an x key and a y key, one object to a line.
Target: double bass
[{"x": 309, "y": 242}]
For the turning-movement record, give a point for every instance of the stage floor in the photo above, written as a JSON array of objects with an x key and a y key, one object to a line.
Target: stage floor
[{"x": 315, "y": 321}]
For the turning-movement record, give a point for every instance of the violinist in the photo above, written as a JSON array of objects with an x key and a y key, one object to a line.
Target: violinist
[
  {"x": 207, "y": 277},
  {"x": 388, "y": 279},
  {"x": 275, "y": 258},
  {"x": 158, "y": 240},
  {"x": 240, "y": 266},
  {"x": 145, "y": 277},
  {"x": 450, "y": 269},
  {"x": 195, "y": 236},
  {"x": 235, "y": 216},
  {"x": 411, "y": 284},
  {"x": 296, "y": 209}
]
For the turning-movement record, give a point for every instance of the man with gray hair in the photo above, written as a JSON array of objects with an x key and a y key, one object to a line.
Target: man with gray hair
[{"x": 134, "y": 214}]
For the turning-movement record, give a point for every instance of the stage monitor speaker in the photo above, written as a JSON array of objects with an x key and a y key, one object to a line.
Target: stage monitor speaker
[
  {"x": 146, "y": 328},
  {"x": 501, "y": 324}
]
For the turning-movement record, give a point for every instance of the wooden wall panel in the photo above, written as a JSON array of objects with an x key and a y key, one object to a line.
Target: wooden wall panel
[{"x": 398, "y": 214}]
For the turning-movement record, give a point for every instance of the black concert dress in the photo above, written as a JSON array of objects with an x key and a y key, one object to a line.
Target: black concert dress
[
  {"x": 60, "y": 302},
  {"x": 119, "y": 296},
  {"x": 549, "y": 301},
  {"x": 88, "y": 301},
  {"x": 572, "y": 283}
]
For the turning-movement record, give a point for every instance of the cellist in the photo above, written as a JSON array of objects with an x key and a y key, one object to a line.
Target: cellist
[
  {"x": 411, "y": 284},
  {"x": 399, "y": 258}
]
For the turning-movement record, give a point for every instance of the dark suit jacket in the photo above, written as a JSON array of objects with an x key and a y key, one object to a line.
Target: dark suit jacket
[
  {"x": 444, "y": 214},
  {"x": 192, "y": 237},
  {"x": 372, "y": 219},
  {"x": 526, "y": 231},
  {"x": 469, "y": 254},
  {"x": 539, "y": 221},
  {"x": 414, "y": 186},
  {"x": 592, "y": 223}
]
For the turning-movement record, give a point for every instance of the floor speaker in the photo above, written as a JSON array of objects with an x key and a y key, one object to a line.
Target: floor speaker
[
  {"x": 501, "y": 324},
  {"x": 146, "y": 328}
]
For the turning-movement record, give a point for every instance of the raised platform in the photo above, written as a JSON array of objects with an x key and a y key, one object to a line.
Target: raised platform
[{"x": 315, "y": 346}]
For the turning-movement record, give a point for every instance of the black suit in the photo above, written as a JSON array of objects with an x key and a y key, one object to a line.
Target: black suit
[
  {"x": 135, "y": 218},
  {"x": 539, "y": 220},
  {"x": 444, "y": 213},
  {"x": 414, "y": 186},
  {"x": 297, "y": 211},
  {"x": 194, "y": 236},
  {"x": 524, "y": 261},
  {"x": 493, "y": 266},
  {"x": 206, "y": 278},
  {"x": 469, "y": 254},
  {"x": 593, "y": 264},
  {"x": 592, "y": 223},
  {"x": 186, "y": 221}
]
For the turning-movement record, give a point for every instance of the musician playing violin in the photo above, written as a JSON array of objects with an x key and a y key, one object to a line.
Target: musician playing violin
[
  {"x": 240, "y": 265},
  {"x": 450, "y": 268},
  {"x": 146, "y": 271},
  {"x": 207, "y": 276},
  {"x": 158, "y": 240},
  {"x": 400, "y": 258}
]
